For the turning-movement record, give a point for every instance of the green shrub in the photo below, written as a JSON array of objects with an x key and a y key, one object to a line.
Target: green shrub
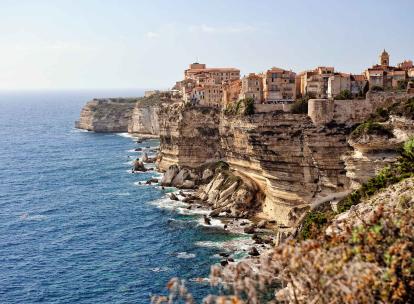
[
  {"x": 371, "y": 128},
  {"x": 344, "y": 95},
  {"x": 377, "y": 89},
  {"x": 241, "y": 107},
  {"x": 313, "y": 223},
  {"x": 249, "y": 106},
  {"x": 300, "y": 106},
  {"x": 408, "y": 149}
]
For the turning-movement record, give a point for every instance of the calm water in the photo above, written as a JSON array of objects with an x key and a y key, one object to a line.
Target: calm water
[{"x": 74, "y": 225}]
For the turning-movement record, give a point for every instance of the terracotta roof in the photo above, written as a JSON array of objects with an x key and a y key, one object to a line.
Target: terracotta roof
[{"x": 213, "y": 70}]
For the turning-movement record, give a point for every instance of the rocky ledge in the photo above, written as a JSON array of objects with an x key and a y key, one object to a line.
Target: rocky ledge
[{"x": 106, "y": 115}]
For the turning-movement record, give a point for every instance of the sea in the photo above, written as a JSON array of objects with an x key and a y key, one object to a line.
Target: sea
[{"x": 76, "y": 226}]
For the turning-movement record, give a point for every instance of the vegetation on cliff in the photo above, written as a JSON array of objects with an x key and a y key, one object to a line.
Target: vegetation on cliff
[
  {"x": 300, "y": 106},
  {"x": 371, "y": 128},
  {"x": 368, "y": 260},
  {"x": 241, "y": 107}
]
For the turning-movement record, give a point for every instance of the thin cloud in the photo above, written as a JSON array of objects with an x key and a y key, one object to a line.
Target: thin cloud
[
  {"x": 152, "y": 35},
  {"x": 221, "y": 30}
]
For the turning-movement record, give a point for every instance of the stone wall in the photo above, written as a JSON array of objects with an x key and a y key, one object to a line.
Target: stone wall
[
  {"x": 106, "y": 115},
  {"x": 323, "y": 111}
]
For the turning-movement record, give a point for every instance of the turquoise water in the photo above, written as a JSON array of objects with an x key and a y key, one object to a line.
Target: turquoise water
[{"x": 74, "y": 225}]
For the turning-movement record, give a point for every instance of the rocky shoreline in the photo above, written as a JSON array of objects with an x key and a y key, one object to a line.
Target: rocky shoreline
[{"x": 215, "y": 192}]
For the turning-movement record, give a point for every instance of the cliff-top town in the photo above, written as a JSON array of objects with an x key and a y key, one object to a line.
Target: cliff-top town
[{"x": 220, "y": 86}]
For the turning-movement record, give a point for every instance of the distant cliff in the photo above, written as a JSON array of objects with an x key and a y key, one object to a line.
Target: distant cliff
[
  {"x": 134, "y": 115},
  {"x": 144, "y": 119},
  {"x": 106, "y": 115}
]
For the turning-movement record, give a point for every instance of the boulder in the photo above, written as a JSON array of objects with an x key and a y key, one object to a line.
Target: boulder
[
  {"x": 188, "y": 184},
  {"x": 215, "y": 213},
  {"x": 181, "y": 176},
  {"x": 224, "y": 263},
  {"x": 169, "y": 175},
  {"x": 207, "y": 174},
  {"x": 262, "y": 224},
  {"x": 145, "y": 158},
  {"x": 249, "y": 230},
  {"x": 139, "y": 166},
  {"x": 254, "y": 252},
  {"x": 173, "y": 197},
  {"x": 207, "y": 221}
]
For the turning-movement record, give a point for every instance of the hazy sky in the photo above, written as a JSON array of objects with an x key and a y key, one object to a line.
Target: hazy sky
[{"x": 147, "y": 44}]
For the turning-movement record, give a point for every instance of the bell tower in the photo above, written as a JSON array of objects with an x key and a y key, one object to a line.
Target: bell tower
[{"x": 384, "y": 59}]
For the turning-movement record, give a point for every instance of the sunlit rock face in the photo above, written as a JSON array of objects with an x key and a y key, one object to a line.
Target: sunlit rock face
[
  {"x": 145, "y": 115},
  {"x": 106, "y": 115},
  {"x": 294, "y": 162},
  {"x": 189, "y": 136}
]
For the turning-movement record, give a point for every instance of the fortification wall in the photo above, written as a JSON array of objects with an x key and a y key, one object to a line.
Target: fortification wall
[{"x": 323, "y": 111}]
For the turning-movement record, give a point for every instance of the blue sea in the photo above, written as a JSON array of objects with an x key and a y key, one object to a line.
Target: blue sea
[{"x": 75, "y": 225}]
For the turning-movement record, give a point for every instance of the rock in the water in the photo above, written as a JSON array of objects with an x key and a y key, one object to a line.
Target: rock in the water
[
  {"x": 169, "y": 175},
  {"x": 253, "y": 252},
  {"x": 207, "y": 221},
  {"x": 224, "y": 263},
  {"x": 215, "y": 213},
  {"x": 173, "y": 197},
  {"x": 249, "y": 230},
  {"x": 224, "y": 254},
  {"x": 152, "y": 180},
  {"x": 139, "y": 166},
  {"x": 230, "y": 260},
  {"x": 145, "y": 158}
]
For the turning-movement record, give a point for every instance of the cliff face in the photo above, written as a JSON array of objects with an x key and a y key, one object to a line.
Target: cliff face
[
  {"x": 291, "y": 160},
  {"x": 189, "y": 136},
  {"x": 294, "y": 162},
  {"x": 106, "y": 115},
  {"x": 144, "y": 120},
  {"x": 371, "y": 153},
  {"x": 145, "y": 116}
]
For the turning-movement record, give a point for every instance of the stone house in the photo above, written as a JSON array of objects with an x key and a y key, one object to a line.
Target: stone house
[
  {"x": 315, "y": 83},
  {"x": 252, "y": 87},
  {"x": 385, "y": 76},
  {"x": 279, "y": 85}
]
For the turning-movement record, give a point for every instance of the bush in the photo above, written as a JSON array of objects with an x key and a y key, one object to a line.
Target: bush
[
  {"x": 377, "y": 89},
  {"x": 344, "y": 95},
  {"x": 371, "y": 128},
  {"x": 241, "y": 107},
  {"x": 408, "y": 149},
  {"x": 249, "y": 106},
  {"x": 300, "y": 106}
]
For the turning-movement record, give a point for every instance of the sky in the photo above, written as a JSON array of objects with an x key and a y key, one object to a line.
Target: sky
[{"x": 108, "y": 44}]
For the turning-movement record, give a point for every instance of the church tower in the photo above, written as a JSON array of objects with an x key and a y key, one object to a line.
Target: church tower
[{"x": 384, "y": 59}]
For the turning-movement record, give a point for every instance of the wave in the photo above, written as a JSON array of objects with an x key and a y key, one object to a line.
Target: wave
[
  {"x": 27, "y": 217},
  {"x": 185, "y": 255},
  {"x": 236, "y": 245},
  {"x": 126, "y": 135},
  {"x": 159, "y": 269}
]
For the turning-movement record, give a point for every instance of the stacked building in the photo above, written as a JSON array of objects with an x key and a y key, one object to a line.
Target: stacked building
[{"x": 219, "y": 86}]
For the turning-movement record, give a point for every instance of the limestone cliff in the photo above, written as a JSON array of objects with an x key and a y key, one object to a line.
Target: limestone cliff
[
  {"x": 189, "y": 136},
  {"x": 144, "y": 119},
  {"x": 294, "y": 161},
  {"x": 106, "y": 115}
]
